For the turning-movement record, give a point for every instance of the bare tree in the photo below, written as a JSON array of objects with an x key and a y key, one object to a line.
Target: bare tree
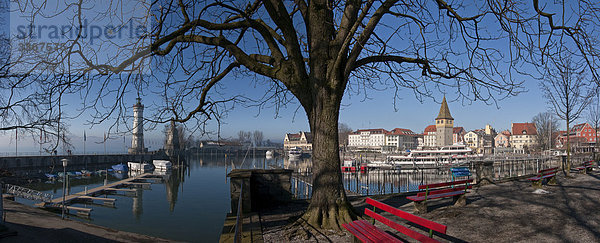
[
  {"x": 568, "y": 91},
  {"x": 593, "y": 117},
  {"x": 343, "y": 131},
  {"x": 546, "y": 125},
  {"x": 257, "y": 138},
  {"x": 244, "y": 137},
  {"x": 314, "y": 52}
]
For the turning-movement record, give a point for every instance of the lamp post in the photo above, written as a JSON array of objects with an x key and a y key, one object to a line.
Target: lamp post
[{"x": 64, "y": 163}]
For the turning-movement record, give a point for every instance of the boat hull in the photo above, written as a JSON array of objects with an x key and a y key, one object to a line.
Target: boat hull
[
  {"x": 162, "y": 164},
  {"x": 139, "y": 166},
  {"x": 119, "y": 168}
]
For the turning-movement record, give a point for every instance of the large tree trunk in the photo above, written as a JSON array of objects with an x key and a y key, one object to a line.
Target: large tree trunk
[{"x": 329, "y": 207}]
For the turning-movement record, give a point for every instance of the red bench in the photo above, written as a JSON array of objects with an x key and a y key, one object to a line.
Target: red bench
[
  {"x": 549, "y": 174},
  {"x": 367, "y": 232},
  {"x": 454, "y": 189},
  {"x": 586, "y": 166}
]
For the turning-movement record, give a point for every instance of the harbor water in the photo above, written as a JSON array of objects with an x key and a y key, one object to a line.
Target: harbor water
[
  {"x": 190, "y": 205},
  {"x": 192, "y": 201}
]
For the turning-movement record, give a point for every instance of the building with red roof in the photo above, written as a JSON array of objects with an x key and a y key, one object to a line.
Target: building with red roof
[
  {"x": 523, "y": 135},
  {"x": 430, "y": 138},
  {"x": 581, "y": 135},
  {"x": 400, "y": 139}
]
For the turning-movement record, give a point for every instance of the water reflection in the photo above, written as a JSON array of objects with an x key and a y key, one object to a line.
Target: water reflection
[
  {"x": 137, "y": 207},
  {"x": 173, "y": 180}
]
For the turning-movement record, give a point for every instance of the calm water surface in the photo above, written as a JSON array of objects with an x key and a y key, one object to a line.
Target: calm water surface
[{"x": 191, "y": 205}]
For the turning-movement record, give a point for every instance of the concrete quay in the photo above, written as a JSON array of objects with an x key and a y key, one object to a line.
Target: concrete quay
[
  {"x": 511, "y": 211},
  {"x": 16, "y": 163},
  {"x": 36, "y": 225}
]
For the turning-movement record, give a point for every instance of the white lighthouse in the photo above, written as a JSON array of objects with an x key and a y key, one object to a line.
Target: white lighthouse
[{"x": 137, "y": 142}]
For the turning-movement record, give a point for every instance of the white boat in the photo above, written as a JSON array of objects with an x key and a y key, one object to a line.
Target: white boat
[
  {"x": 135, "y": 166},
  {"x": 161, "y": 164},
  {"x": 295, "y": 153},
  {"x": 446, "y": 155},
  {"x": 380, "y": 165}
]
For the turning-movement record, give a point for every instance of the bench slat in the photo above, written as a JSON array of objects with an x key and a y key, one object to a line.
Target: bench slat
[
  {"x": 366, "y": 230},
  {"x": 435, "y": 185},
  {"x": 537, "y": 178},
  {"x": 410, "y": 217},
  {"x": 554, "y": 169},
  {"x": 404, "y": 230},
  {"x": 373, "y": 233},
  {"x": 355, "y": 232},
  {"x": 441, "y": 191},
  {"x": 460, "y": 171}
]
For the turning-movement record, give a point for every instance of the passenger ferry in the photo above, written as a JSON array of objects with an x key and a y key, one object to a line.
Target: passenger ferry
[{"x": 446, "y": 155}]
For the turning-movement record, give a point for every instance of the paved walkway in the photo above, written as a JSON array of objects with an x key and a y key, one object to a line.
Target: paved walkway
[
  {"x": 36, "y": 225},
  {"x": 505, "y": 212}
]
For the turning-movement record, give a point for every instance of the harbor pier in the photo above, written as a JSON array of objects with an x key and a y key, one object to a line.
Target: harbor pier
[{"x": 91, "y": 195}]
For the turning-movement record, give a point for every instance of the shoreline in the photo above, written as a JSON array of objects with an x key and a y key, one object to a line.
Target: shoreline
[{"x": 37, "y": 225}]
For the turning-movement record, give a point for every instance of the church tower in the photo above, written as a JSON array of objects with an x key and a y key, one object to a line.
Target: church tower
[
  {"x": 444, "y": 124},
  {"x": 172, "y": 147},
  {"x": 137, "y": 142}
]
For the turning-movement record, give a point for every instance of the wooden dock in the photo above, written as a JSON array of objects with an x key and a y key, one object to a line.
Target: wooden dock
[{"x": 89, "y": 195}]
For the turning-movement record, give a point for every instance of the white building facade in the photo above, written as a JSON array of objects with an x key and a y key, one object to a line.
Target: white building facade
[{"x": 367, "y": 138}]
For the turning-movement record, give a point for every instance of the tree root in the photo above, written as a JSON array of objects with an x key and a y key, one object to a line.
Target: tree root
[{"x": 329, "y": 218}]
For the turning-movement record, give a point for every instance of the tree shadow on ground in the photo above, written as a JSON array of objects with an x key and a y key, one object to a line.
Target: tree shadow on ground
[{"x": 26, "y": 234}]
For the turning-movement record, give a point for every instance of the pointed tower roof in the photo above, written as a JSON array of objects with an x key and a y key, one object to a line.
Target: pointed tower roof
[{"x": 444, "y": 111}]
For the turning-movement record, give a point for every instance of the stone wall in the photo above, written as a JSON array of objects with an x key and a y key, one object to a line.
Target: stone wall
[
  {"x": 262, "y": 188},
  {"x": 484, "y": 172}
]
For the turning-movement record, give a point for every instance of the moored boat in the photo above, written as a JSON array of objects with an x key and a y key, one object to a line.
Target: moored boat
[
  {"x": 119, "y": 168},
  {"x": 135, "y": 166},
  {"x": 160, "y": 164},
  {"x": 295, "y": 153},
  {"x": 352, "y": 165},
  {"x": 446, "y": 155}
]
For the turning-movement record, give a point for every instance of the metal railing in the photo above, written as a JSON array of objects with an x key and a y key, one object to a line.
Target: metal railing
[
  {"x": 386, "y": 181},
  {"x": 27, "y": 193}
]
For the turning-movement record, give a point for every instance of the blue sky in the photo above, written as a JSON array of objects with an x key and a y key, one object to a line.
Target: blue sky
[{"x": 376, "y": 112}]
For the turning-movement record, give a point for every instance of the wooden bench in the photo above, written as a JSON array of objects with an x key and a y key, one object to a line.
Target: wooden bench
[
  {"x": 586, "y": 166},
  {"x": 454, "y": 189},
  {"x": 546, "y": 174},
  {"x": 460, "y": 172},
  {"x": 367, "y": 232}
]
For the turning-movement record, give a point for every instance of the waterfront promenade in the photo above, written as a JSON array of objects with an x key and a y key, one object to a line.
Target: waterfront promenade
[
  {"x": 36, "y": 225},
  {"x": 503, "y": 212}
]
